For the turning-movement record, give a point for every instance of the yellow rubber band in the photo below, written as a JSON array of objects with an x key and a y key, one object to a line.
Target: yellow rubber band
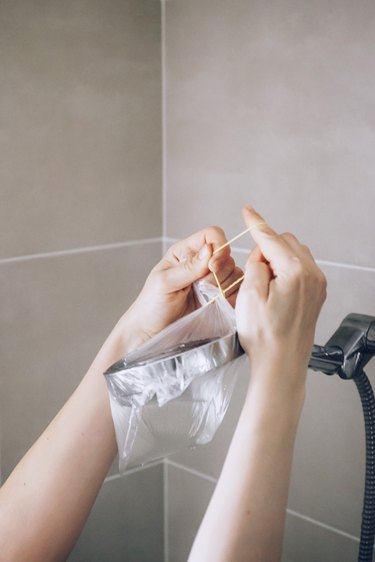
[
  {"x": 218, "y": 284},
  {"x": 238, "y": 236},
  {"x": 234, "y": 283},
  {"x": 223, "y": 291}
]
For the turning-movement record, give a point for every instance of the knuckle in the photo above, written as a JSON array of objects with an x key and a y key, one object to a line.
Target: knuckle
[
  {"x": 289, "y": 236},
  {"x": 323, "y": 279},
  {"x": 188, "y": 264},
  {"x": 226, "y": 264},
  {"x": 323, "y": 284},
  {"x": 320, "y": 278},
  {"x": 216, "y": 231},
  {"x": 217, "y": 228},
  {"x": 324, "y": 294},
  {"x": 230, "y": 264},
  {"x": 297, "y": 267},
  {"x": 298, "y": 274}
]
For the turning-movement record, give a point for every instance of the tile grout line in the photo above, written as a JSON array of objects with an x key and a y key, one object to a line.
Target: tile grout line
[
  {"x": 132, "y": 471},
  {"x": 169, "y": 240},
  {"x": 163, "y": 120},
  {"x": 191, "y": 471},
  {"x": 82, "y": 250},
  {"x": 289, "y": 511},
  {"x": 346, "y": 265},
  {"x": 165, "y": 512},
  {"x": 322, "y": 525}
]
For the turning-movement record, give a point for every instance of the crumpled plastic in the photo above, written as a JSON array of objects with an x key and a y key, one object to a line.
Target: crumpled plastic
[{"x": 173, "y": 391}]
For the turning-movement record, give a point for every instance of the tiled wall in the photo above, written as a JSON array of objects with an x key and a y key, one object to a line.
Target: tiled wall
[
  {"x": 264, "y": 102},
  {"x": 272, "y": 103},
  {"x": 80, "y": 215}
]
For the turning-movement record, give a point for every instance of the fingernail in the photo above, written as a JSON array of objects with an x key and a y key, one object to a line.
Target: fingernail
[
  {"x": 204, "y": 253},
  {"x": 250, "y": 208}
]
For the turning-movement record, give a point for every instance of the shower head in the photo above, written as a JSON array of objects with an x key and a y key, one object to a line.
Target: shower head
[
  {"x": 346, "y": 353},
  {"x": 196, "y": 358}
]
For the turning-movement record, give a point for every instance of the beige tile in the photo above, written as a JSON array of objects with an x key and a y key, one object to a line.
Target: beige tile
[
  {"x": 188, "y": 497},
  {"x": 56, "y": 313},
  {"x": 126, "y": 522},
  {"x": 271, "y": 103},
  {"x": 312, "y": 543},
  {"x": 349, "y": 290},
  {"x": 328, "y": 470},
  {"x": 80, "y": 136}
]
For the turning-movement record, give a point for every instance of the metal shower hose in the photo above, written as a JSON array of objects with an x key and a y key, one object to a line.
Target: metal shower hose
[{"x": 366, "y": 547}]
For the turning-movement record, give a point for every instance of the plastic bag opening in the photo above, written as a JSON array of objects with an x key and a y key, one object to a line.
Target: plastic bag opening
[{"x": 173, "y": 391}]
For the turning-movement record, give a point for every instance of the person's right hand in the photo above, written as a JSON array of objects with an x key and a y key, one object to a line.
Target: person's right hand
[{"x": 279, "y": 300}]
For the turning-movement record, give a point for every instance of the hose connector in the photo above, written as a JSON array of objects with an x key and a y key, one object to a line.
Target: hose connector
[{"x": 348, "y": 350}]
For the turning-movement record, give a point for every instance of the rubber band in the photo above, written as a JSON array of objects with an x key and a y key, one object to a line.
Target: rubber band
[
  {"x": 225, "y": 290},
  {"x": 238, "y": 236},
  {"x": 218, "y": 284},
  {"x": 234, "y": 284}
]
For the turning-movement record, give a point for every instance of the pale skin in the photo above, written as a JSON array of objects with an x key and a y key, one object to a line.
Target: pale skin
[
  {"x": 282, "y": 294},
  {"x": 53, "y": 488}
]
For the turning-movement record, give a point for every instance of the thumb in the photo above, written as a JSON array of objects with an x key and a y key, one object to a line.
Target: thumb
[{"x": 188, "y": 271}]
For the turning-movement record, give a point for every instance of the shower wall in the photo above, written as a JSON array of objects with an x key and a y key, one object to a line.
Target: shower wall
[
  {"x": 81, "y": 225},
  {"x": 269, "y": 103},
  {"x": 272, "y": 103}
]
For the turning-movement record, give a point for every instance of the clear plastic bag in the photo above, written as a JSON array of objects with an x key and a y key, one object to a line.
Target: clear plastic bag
[{"x": 174, "y": 390}]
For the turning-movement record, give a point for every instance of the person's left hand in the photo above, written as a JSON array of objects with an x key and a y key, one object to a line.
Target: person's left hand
[{"x": 168, "y": 293}]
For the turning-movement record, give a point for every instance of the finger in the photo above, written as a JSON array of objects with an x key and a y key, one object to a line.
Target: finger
[
  {"x": 293, "y": 243},
  {"x": 223, "y": 273},
  {"x": 300, "y": 250},
  {"x": 257, "y": 279},
  {"x": 185, "y": 249},
  {"x": 273, "y": 247},
  {"x": 218, "y": 261},
  {"x": 230, "y": 284},
  {"x": 256, "y": 255},
  {"x": 186, "y": 272},
  {"x": 232, "y": 299},
  {"x": 305, "y": 255},
  {"x": 212, "y": 235}
]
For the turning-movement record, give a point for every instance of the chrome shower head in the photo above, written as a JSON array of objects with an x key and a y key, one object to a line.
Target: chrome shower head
[{"x": 200, "y": 356}]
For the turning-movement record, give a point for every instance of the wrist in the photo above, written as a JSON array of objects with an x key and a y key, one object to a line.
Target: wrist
[
  {"x": 123, "y": 339},
  {"x": 127, "y": 335},
  {"x": 271, "y": 407},
  {"x": 280, "y": 361},
  {"x": 279, "y": 385}
]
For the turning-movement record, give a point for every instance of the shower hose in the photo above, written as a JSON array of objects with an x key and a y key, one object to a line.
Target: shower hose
[{"x": 366, "y": 546}]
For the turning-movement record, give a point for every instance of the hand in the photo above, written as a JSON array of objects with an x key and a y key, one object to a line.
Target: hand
[
  {"x": 168, "y": 293},
  {"x": 279, "y": 300}
]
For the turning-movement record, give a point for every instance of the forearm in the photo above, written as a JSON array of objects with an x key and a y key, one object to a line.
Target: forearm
[
  {"x": 46, "y": 500},
  {"x": 276, "y": 312},
  {"x": 245, "y": 518}
]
